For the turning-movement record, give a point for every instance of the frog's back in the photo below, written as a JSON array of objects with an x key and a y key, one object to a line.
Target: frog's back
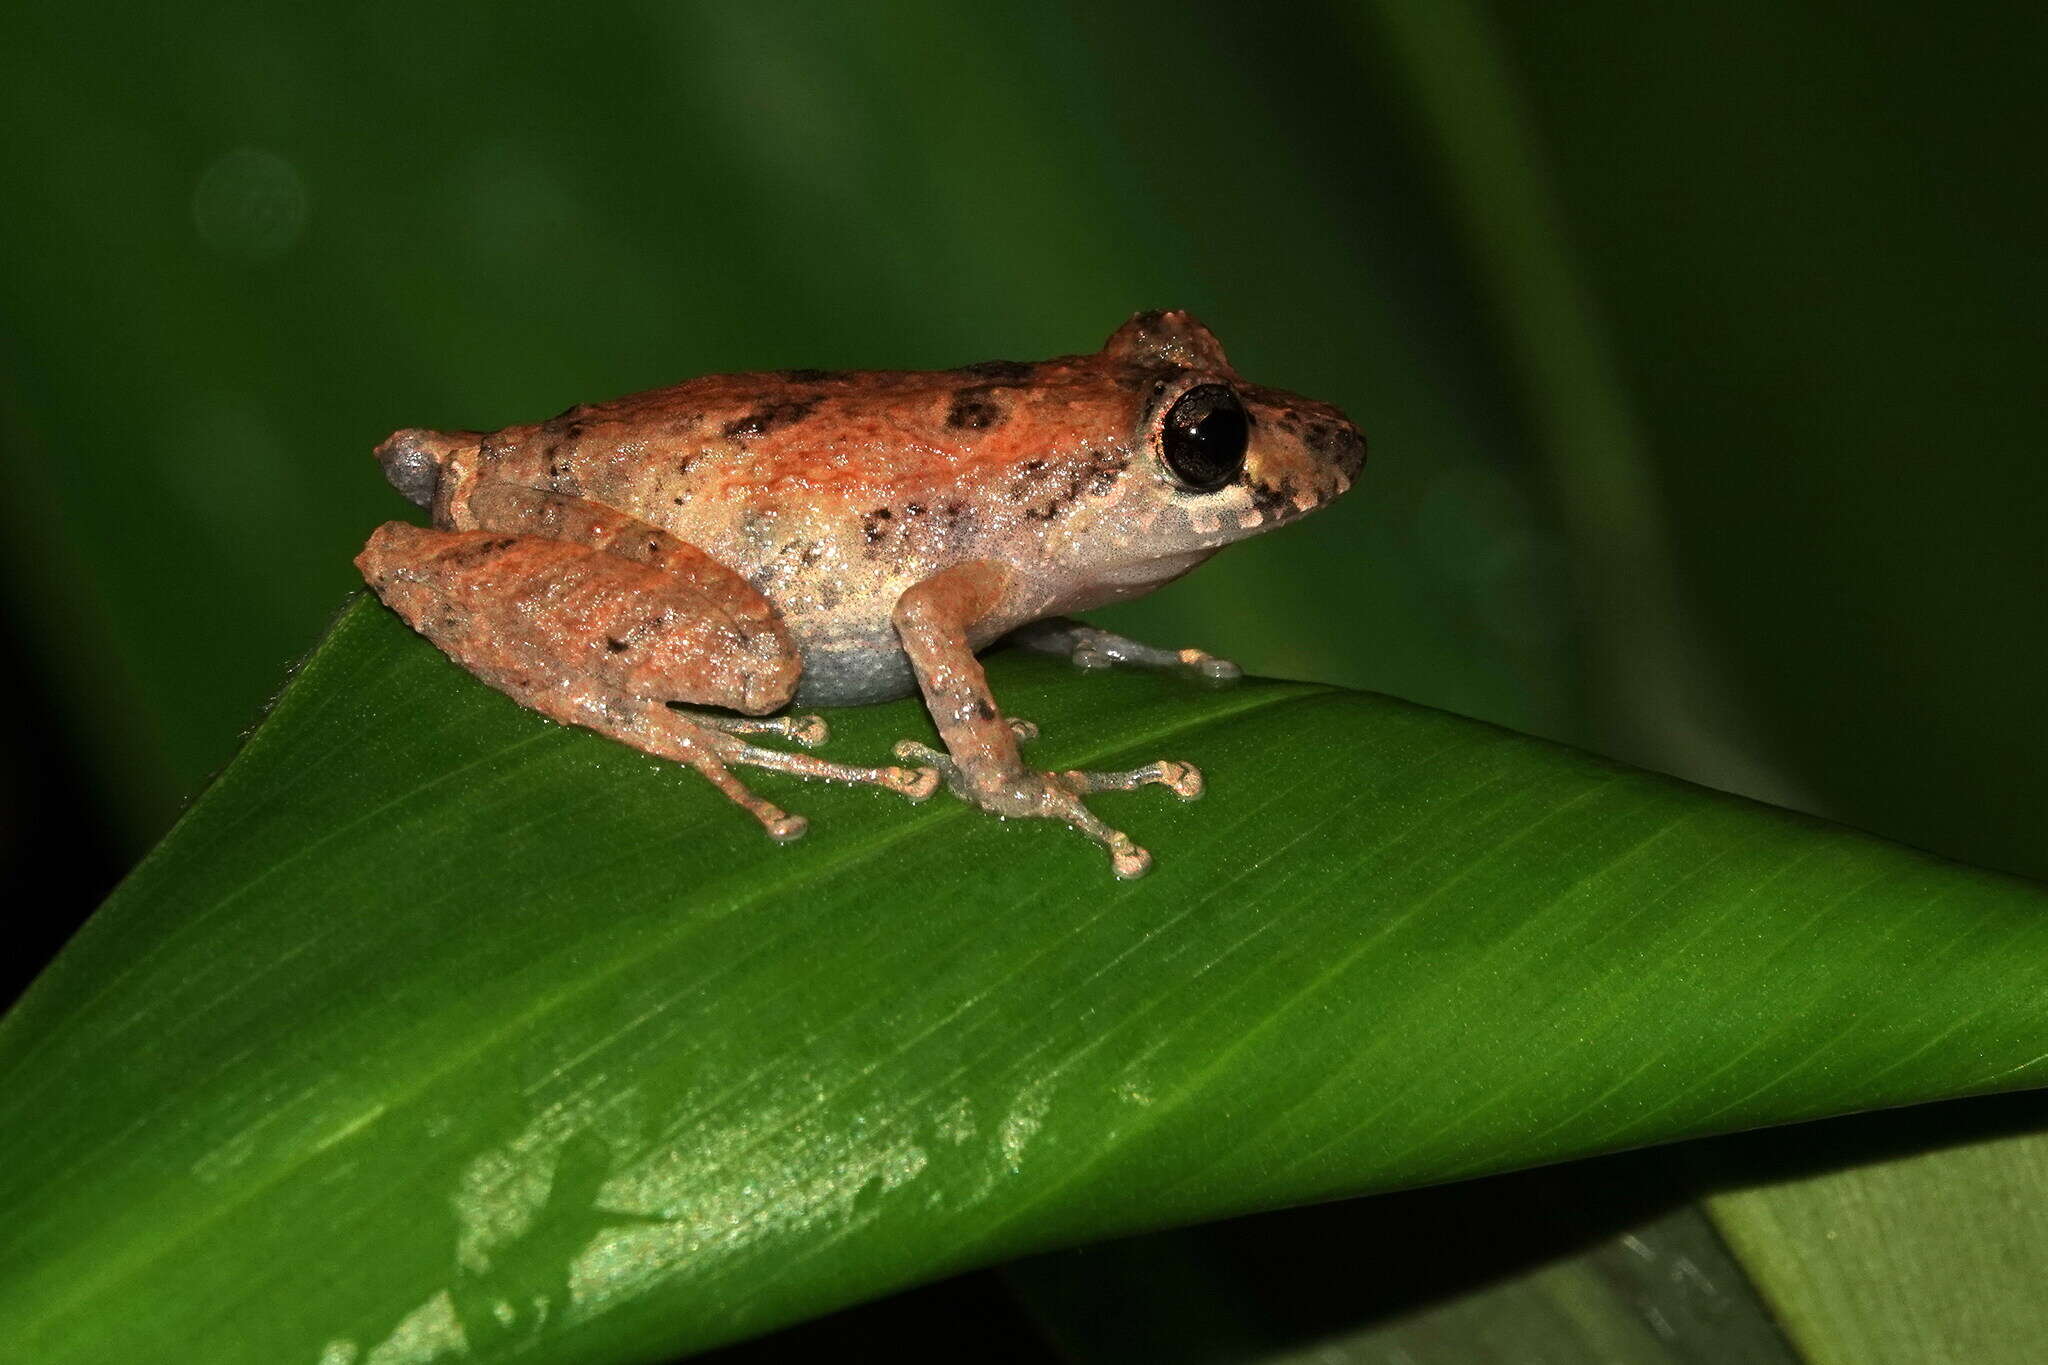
[{"x": 855, "y": 438}]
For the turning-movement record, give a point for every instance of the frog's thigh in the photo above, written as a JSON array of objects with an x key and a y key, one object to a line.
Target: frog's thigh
[
  {"x": 573, "y": 631},
  {"x": 593, "y": 639}
]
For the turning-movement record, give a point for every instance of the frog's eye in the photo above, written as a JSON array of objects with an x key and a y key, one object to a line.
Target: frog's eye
[{"x": 1204, "y": 437}]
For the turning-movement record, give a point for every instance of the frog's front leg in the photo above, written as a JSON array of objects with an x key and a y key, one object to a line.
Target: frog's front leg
[
  {"x": 981, "y": 763},
  {"x": 618, "y": 637},
  {"x": 1091, "y": 648}
]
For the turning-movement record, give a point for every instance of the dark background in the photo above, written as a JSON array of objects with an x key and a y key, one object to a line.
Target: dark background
[{"x": 1701, "y": 352}]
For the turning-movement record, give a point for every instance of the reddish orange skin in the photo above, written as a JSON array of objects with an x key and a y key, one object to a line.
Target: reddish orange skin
[
  {"x": 685, "y": 630},
  {"x": 834, "y": 493}
]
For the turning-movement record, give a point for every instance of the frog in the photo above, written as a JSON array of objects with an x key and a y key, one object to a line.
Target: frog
[{"x": 677, "y": 569}]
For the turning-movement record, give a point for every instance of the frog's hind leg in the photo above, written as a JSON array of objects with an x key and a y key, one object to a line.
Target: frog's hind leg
[
  {"x": 1091, "y": 648},
  {"x": 612, "y": 643}
]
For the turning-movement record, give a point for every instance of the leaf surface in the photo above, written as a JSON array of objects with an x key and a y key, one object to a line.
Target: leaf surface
[{"x": 437, "y": 1027}]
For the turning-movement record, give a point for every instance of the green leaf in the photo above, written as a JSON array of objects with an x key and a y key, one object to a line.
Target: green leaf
[
  {"x": 1923, "y": 1243},
  {"x": 434, "y": 1025}
]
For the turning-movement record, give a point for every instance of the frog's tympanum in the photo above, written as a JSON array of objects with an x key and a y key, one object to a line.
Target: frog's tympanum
[{"x": 744, "y": 542}]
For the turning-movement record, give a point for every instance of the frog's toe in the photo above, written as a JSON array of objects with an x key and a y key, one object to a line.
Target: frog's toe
[
  {"x": 914, "y": 784},
  {"x": 1126, "y": 859},
  {"x": 936, "y": 762},
  {"x": 808, "y": 732},
  {"x": 1182, "y": 779},
  {"x": 1212, "y": 668},
  {"x": 785, "y": 828},
  {"x": 916, "y": 751},
  {"x": 1023, "y": 729}
]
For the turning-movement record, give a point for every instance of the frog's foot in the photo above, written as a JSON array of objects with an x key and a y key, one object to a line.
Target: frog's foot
[
  {"x": 1028, "y": 794},
  {"x": 712, "y": 745},
  {"x": 1182, "y": 779},
  {"x": 1092, "y": 649}
]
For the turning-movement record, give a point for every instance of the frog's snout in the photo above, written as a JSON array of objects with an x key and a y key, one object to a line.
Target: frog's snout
[
  {"x": 412, "y": 460},
  {"x": 1347, "y": 447}
]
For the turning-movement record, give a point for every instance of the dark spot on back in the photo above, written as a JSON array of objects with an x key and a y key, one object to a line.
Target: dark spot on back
[
  {"x": 565, "y": 428},
  {"x": 768, "y": 418},
  {"x": 475, "y": 552},
  {"x": 615, "y": 644},
  {"x": 975, "y": 409},
  {"x": 562, "y": 479},
  {"x": 807, "y": 376}
]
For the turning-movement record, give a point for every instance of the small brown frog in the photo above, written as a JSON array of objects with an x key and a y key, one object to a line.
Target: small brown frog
[{"x": 831, "y": 539}]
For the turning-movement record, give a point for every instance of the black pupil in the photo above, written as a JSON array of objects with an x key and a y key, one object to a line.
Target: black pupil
[{"x": 1205, "y": 436}]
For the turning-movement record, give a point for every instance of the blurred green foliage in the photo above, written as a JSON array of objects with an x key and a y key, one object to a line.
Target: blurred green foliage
[{"x": 1700, "y": 348}]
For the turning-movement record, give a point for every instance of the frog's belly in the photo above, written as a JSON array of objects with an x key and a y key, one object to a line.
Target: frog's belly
[{"x": 854, "y": 671}]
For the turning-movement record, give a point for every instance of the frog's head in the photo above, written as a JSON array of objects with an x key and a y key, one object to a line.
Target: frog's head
[{"x": 1225, "y": 459}]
